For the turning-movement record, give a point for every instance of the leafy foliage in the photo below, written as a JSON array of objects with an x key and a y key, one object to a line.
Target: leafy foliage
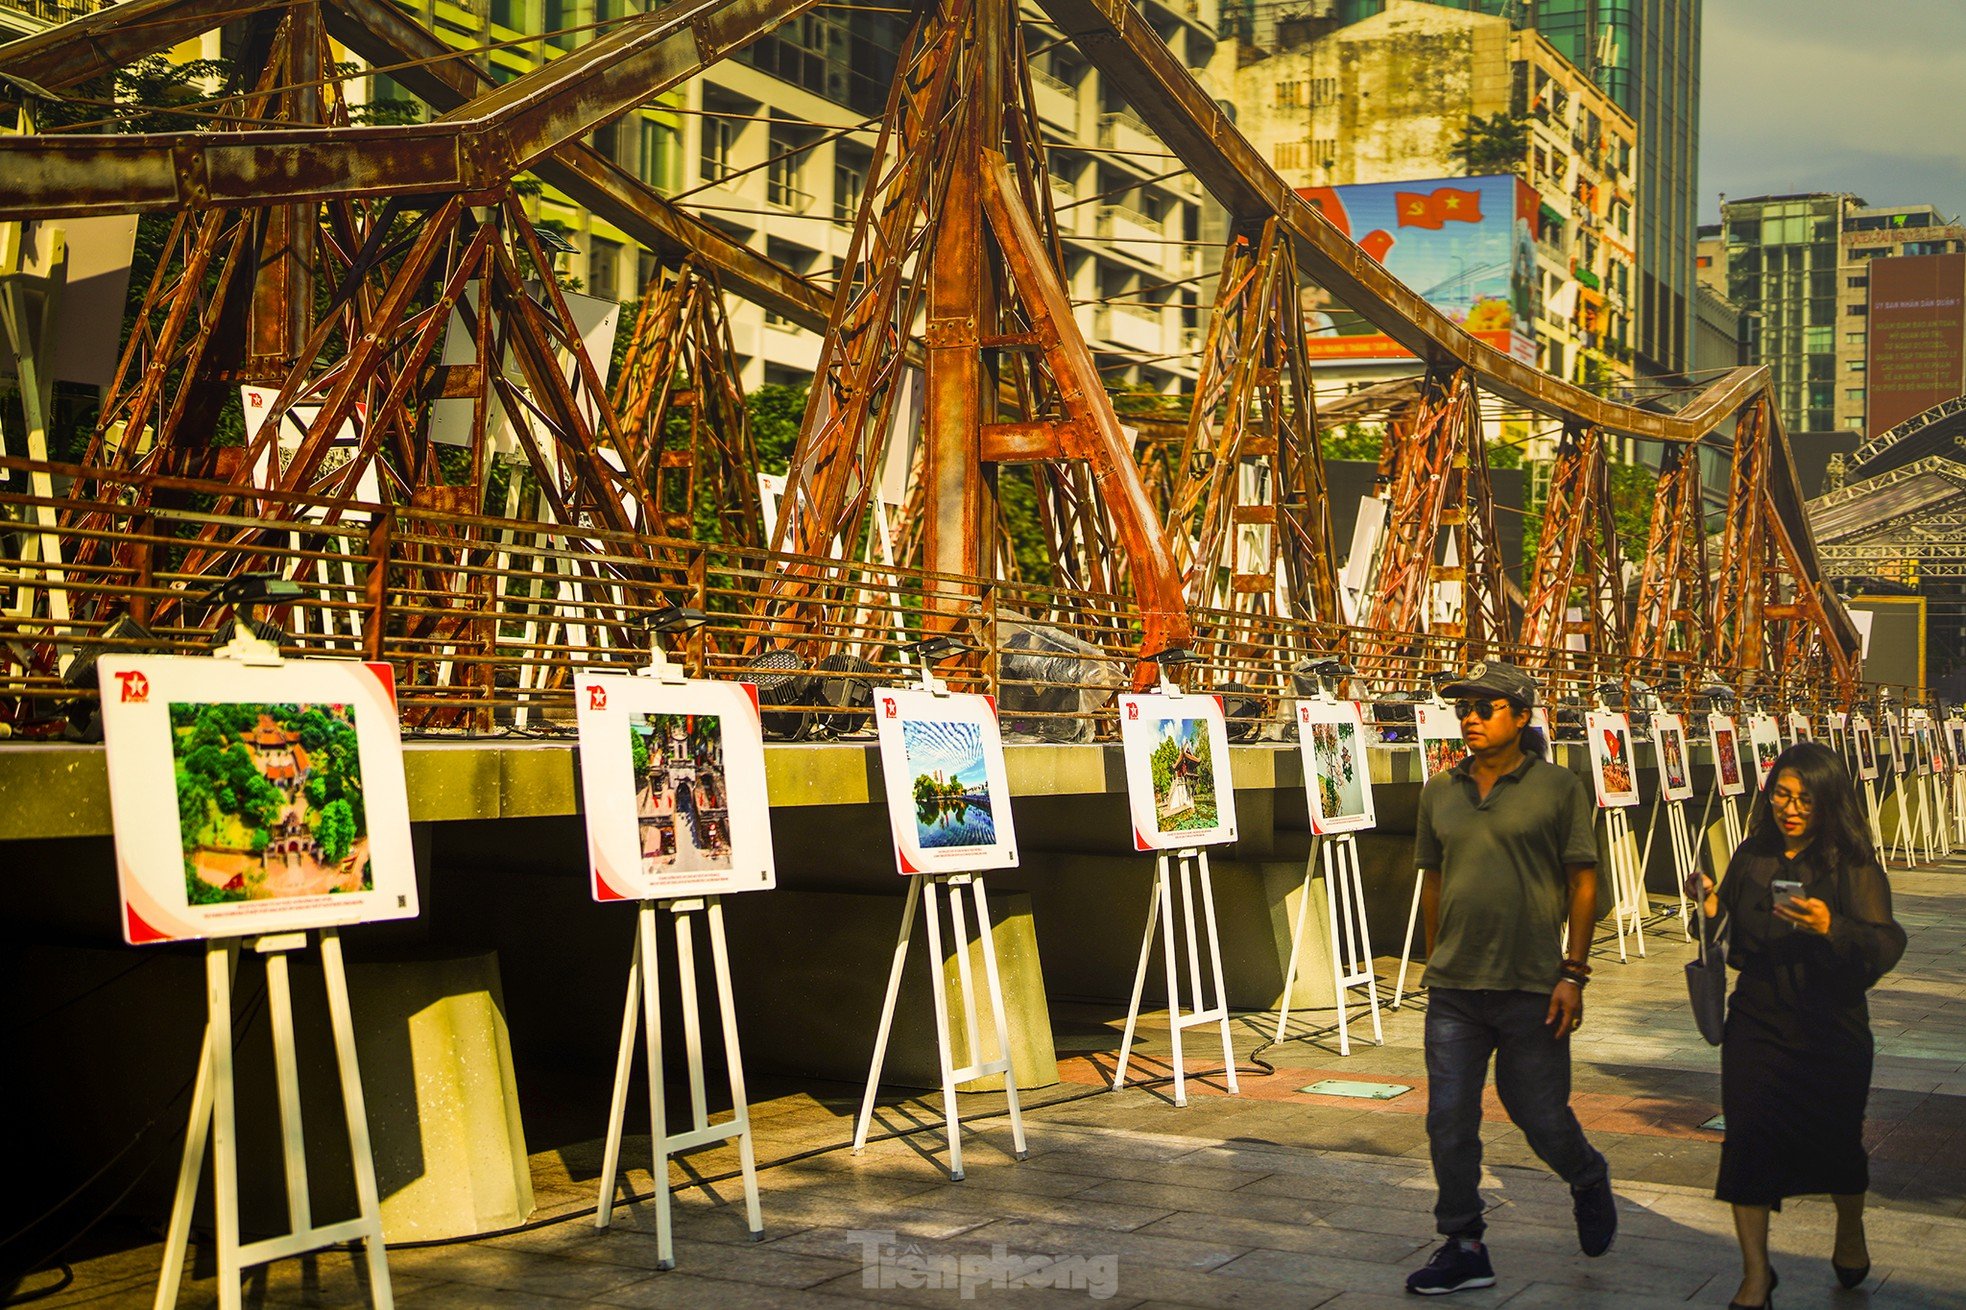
[{"x": 1496, "y": 144}]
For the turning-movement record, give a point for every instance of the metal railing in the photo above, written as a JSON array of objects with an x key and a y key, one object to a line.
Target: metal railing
[{"x": 484, "y": 619}]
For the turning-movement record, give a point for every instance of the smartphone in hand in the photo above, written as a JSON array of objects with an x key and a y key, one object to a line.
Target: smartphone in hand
[{"x": 1785, "y": 890}]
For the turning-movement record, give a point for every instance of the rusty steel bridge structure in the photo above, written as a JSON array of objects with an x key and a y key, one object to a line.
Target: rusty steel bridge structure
[{"x": 461, "y": 490}]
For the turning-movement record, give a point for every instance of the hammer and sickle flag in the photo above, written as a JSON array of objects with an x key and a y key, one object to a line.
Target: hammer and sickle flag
[{"x": 1445, "y": 204}]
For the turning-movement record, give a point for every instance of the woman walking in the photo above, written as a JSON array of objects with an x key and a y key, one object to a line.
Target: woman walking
[{"x": 1807, "y": 913}]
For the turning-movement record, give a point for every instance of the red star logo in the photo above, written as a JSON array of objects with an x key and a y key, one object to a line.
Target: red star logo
[
  {"x": 597, "y": 696},
  {"x": 136, "y": 687}
]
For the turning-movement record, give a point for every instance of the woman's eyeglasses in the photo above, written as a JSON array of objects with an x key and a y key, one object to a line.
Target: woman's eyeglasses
[{"x": 1480, "y": 709}]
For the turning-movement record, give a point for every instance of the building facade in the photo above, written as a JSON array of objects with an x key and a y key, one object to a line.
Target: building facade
[
  {"x": 1799, "y": 267},
  {"x": 1387, "y": 98},
  {"x": 774, "y": 146}
]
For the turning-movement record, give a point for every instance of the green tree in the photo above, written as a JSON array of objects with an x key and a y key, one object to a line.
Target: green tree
[
  {"x": 776, "y": 412},
  {"x": 335, "y": 832},
  {"x": 1353, "y": 441},
  {"x": 1496, "y": 144},
  {"x": 638, "y": 749}
]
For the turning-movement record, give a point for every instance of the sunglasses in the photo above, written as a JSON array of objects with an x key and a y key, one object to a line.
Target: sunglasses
[{"x": 1480, "y": 709}]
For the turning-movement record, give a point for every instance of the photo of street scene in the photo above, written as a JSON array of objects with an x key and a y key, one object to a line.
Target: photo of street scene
[
  {"x": 1184, "y": 776},
  {"x": 680, "y": 798},
  {"x": 952, "y": 784},
  {"x": 269, "y": 801},
  {"x": 1339, "y": 763}
]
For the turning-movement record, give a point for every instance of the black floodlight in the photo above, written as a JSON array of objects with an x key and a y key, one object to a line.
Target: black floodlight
[
  {"x": 1174, "y": 657},
  {"x": 933, "y": 650},
  {"x": 131, "y": 638},
  {"x": 1442, "y": 677},
  {"x": 1716, "y": 690},
  {"x": 1333, "y": 668},
  {"x": 249, "y": 589},
  {"x": 675, "y": 618}
]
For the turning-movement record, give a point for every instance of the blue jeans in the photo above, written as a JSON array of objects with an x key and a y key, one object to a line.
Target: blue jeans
[{"x": 1532, "y": 1076}]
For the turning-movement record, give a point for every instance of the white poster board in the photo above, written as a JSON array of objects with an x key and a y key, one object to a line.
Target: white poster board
[
  {"x": 1726, "y": 742},
  {"x": 1675, "y": 762},
  {"x": 1331, "y": 739},
  {"x": 948, "y": 792},
  {"x": 1765, "y": 737},
  {"x": 1956, "y": 740},
  {"x": 1178, "y": 788},
  {"x": 1613, "y": 766},
  {"x": 1800, "y": 729},
  {"x": 1894, "y": 742},
  {"x": 251, "y": 799},
  {"x": 1839, "y": 735},
  {"x": 1441, "y": 747},
  {"x": 1863, "y": 746},
  {"x": 672, "y": 779}
]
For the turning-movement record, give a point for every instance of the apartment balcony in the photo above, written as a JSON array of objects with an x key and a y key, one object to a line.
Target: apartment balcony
[
  {"x": 1122, "y": 131},
  {"x": 782, "y": 192},
  {"x": 1130, "y": 328},
  {"x": 1057, "y": 101},
  {"x": 1134, "y": 235}
]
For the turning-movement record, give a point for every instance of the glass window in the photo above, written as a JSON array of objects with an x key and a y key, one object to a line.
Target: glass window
[{"x": 603, "y": 268}]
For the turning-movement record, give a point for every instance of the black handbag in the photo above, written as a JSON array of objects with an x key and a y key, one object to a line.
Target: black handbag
[{"x": 1706, "y": 982}]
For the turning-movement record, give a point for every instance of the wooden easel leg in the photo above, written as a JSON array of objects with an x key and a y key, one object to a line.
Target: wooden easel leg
[
  {"x": 887, "y": 1011},
  {"x": 280, "y": 1014},
  {"x": 1358, "y": 931},
  {"x": 1214, "y": 963},
  {"x": 995, "y": 980},
  {"x": 665, "y": 1239},
  {"x": 740, "y": 1103},
  {"x": 1140, "y": 973},
  {"x": 368, "y": 1196},
  {"x": 1406, "y": 951},
  {"x": 618, "y": 1103},
  {"x": 1172, "y": 960},
  {"x": 1339, "y": 930},
  {"x": 944, "y": 1054},
  {"x": 197, "y": 1134},
  {"x": 1297, "y": 938},
  {"x": 219, "y": 968}
]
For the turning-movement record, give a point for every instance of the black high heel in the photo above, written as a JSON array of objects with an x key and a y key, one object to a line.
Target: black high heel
[
  {"x": 1850, "y": 1275},
  {"x": 1767, "y": 1302}
]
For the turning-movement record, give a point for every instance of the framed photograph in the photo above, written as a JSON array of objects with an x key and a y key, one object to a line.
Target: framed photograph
[
  {"x": 1675, "y": 763},
  {"x": 1839, "y": 736},
  {"x": 1331, "y": 736},
  {"x": 1178, "y": 786},
  {"x": 1800, "y": 729},
  {"x": 1765, "y": 737},
  {"x": 672, "y": 777},
  {"x": 1613, "y": 767},
  {"x": 1863, "y": 747},
  {"x": 1893, "y": 742},
  {"x": 1919, "y": 747},
  {"x": 286, "y": 808},
  {"x": 1441, "y": 747},
  {"x": 1726, "y": 742},
  {"x": 948, "y": 793}
]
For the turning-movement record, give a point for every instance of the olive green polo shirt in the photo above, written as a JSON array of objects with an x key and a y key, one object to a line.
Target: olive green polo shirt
[{"x": 1503, "y": 890}]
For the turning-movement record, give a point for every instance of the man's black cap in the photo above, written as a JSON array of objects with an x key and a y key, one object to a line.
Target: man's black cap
[{"x": 1494, "y": 678}]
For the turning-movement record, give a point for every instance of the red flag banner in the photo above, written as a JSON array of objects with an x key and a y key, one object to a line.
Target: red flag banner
[{"x": 1441, "y": 205}]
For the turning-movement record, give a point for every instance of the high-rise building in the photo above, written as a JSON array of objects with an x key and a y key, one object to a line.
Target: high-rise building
[
  {"x": 1386, "y": 99},
  {"x": 1903, "y": 343},
  {"x": 1800, "y": 266},
  {"x": 1646, "y": 56}
]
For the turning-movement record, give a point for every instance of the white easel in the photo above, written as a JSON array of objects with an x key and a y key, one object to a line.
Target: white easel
[
  {"x": 1874, "y": 820},
  {"x": 1350, "y": 935},
  {"x": 946, "y": 890},
  {"x": 645, "y": 1005},
  {"x": 1419, "y": 879},
  {"x": 1902, "y": 839},
  {"x": 1190, "y": 862},
  {"x": 1351, "y": 939},
  {"x": 212, "y": 1102}
]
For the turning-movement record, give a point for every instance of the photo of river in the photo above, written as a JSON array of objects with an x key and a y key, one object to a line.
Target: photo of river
[{"x": 953, "y": 805}]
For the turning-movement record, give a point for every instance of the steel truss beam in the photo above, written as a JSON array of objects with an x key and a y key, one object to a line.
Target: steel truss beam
[
  {"x": 1578, "y": 550},
  {"x": 1675, "y": 591}
]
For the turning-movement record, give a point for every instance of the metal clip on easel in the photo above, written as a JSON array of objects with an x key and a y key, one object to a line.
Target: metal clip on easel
[
  {"x": 670, "y": 618},
  {"x": 929, "y": 652},
  {"x": 248, "y": 642}
]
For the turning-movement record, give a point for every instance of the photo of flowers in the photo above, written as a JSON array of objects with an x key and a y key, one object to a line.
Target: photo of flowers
[
  {"x": 682, "y": 807},
  {"x": 269, "y": 801},
  {"x": 1331, "y": 739},
  {"x": 1441, "y": 746},
  {"x": 950, "y": 783}
]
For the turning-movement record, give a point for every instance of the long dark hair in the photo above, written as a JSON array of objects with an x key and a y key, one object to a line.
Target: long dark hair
[{"x": 1840, "y": 832}]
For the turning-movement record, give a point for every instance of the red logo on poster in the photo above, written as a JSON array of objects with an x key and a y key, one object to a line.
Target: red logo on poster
[
  {"x": 1304, "y": 713},
  {"x": 1133, "y": 709},
  {"x": 136, "y": 688},
  {"x": 887, "y": 706},
  {"x": 597, "y": 696}
]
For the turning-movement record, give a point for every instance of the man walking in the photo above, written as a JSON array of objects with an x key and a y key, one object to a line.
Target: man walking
[{"x": 1507, "y": 853}]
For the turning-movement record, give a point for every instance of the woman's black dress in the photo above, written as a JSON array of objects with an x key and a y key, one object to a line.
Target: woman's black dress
[{"x": 1796, "y": 1060}]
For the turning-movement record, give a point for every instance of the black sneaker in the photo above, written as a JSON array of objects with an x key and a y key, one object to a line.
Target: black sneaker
[
  {"x": 1597, "y": 1216},
  {"x": 1458, "y": 1265}
]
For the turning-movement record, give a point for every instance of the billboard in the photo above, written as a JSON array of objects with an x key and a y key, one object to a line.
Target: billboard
[
  {"x": 1467, "y": 245},
  {"x": 1917, "y": 337}
]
